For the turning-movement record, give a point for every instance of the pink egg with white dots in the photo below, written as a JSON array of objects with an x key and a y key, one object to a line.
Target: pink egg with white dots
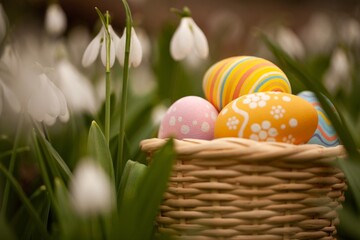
[{"x": 189, "y": 117}]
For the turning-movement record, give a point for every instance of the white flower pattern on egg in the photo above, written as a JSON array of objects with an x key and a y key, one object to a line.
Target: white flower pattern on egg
[
  {"x": 256, "y": 100},
  {"x": 232, "y": 123},
  {"x": 277, "y": 111},
  {"x": 263, "y": 132},
  {"x": 289, "y": 139}
]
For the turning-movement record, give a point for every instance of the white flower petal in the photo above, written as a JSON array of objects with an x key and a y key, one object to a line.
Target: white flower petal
[
  {"x": 120, "y": 49},
  {"x": 201, "y": 43},
  {"x": 92, "y": 50},
  {"x": 112, "y": 52},
  {"x": 182, "y": 41},
  {"x": 78, "y": 90},
  {"x": 10, "y": 98},
  {"x": 55, "y": 20},
  {"x": 49, "y": 120},
  {"x": 135, "y": 50},
  {"x": 103, "y": 52},
  {"x": 91, "y": 189}
]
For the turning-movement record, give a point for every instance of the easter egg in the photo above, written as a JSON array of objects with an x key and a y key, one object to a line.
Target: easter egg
[
  {"x": 189, "y": 117},
  {"x": 325, "y": 133},
  {"x": 237, "y": 76},
  {"x": 268, "y": 116}
]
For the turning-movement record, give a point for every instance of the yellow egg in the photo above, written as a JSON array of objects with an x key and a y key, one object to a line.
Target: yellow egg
[
  {"x": 268, "y": 116},
  {"x": 236, "y": 76}
]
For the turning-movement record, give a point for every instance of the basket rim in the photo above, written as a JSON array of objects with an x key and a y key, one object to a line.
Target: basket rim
[{"x": 246, "y": 149}]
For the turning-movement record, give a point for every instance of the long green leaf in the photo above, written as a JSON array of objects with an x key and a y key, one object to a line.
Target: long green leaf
[
  {"x": 54, "y": 159},
  {"x": 66, "y": 216},
  {"x": 99, "y": 150},
  {"x": 27, "y": 204},
  {"x": 25, "y": 229},
  {"x": 131, "y": 179},
  {"x": 137, "y": 216}
]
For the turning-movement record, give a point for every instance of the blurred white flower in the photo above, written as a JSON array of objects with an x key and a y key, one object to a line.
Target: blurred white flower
[
  {"x": 10, "y": 59},
  {"x": 142, "y": 81},
  {"x": 90, "y": 189},
  {"x": 2, "y": 24},
  {"x": 7, "y": 95},
  {"x": 77, "y": 89},
  {"x": 47, "y": 102},
  {"x": 350, "y": 31},
  {"x": 98, "y": 44},
  {"x": 319, "y": 35},
  {"x": 135, "y": 49},
  {"x": 158, "y": 114},
  {"x": 77, "y": 41},
  {"x": 338, "y": 75},
  {"x": 55, "y": 20},
  {"x": 290, "y": 42},
  {"x": 188, "y": 38}
]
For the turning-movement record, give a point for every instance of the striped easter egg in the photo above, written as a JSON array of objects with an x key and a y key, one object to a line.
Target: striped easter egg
[
  {"x": 237, "y": 76},
  {"x": 325, "y": 133}
]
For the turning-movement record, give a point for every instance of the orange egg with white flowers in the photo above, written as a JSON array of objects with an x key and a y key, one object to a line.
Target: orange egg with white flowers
[{"x": 268, "y": 116}]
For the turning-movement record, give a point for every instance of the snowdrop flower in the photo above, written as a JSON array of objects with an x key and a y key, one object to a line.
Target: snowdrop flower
[
  {"x": 290, "y": 43},
  {"x": 55, "y": 20},
  {"x": 7, "y": 95},
  {"x": 98, "y": 44},
  {"x": 2, "y": 24},
  {"x": 47, "y": 102},
  {"x": 78, "y": 91},
  {"x": 90, "y": 189},
  {"x": 350, "y": 31},
  {"x": 135, "y": 49},
  {"x": 187, "y": 38},
  {"x": 158, "y": 113},
  {"x": 338, "y": 74},
  {"x": 318, "y": 35},
  {"x": 10, "y": 59}
]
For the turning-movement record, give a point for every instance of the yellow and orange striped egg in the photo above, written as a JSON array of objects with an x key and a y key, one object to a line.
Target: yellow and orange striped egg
[{"x": 237, "y": 76}]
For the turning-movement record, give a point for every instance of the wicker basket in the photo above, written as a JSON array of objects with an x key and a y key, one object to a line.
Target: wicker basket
[{"x": 235, "y": 188}]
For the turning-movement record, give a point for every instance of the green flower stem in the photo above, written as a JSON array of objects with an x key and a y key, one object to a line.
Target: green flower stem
[
  {"x": 32, "y": 212},
  {"x": 11, "y": 166},
  {"x": 18, "y": 150},
  {"x": 105, "y": 20},
  {"x": 44, "y": 172},
  {"x": 108, "y": 82},
  {"x": 120, "y": 159}
]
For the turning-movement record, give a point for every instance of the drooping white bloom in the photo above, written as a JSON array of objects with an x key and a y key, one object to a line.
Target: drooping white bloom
[
  {"x": 47, "y": 102},
  {"x": 55, "y": 20},
  {"x": 318, "y": 34},
  {"x": 10, "y": 59},
  {"x": 99, "y": 44},
  {"x": 7, "y": 96},
  {"x": 187, "y": 38},
  {"x": 90, "y": 189},
  {"x": 2, "y": 23},
  {"x": 158, "y": 113},
  {"x": 78, "y": 91},
  {"x": 136, "y": 52},
  {"x": 338, "y": 74},
  {"x": 290, "y": 42},
  {"x": 350, "y": 31}
]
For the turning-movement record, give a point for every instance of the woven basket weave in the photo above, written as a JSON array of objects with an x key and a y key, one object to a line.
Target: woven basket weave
[{"x": 234, "y": 188}]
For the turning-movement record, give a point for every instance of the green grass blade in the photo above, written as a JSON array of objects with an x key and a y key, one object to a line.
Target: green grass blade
[
  {"x": 5, "y": 231},
  {"x": 137, "y": 217},
  {"x": 27, "y": 204},
  {"x": 99, "y": 150},
  {"x": 130, "y": 181},
  {"x": 24, "y": 226}
]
